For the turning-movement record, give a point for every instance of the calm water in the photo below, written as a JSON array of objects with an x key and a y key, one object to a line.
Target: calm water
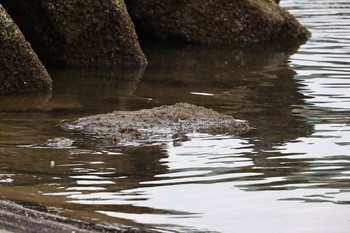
[{"x": 290, "y": 174}]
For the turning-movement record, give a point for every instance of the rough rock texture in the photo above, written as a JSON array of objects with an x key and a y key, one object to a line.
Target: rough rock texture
[
  {"x": 158, "y": 124},
  {"x": 17, "y": 218},
  {"x": 216, "y": 21},
  {"x": 78, "y": 32},
  {"x": 20, "y": 68}
]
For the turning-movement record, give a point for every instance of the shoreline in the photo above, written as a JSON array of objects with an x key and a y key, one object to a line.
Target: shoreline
[{"x": 17, "y": 218}]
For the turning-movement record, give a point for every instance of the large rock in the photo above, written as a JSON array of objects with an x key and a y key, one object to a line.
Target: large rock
[
  {"x": 20, "y": 68},
  {"x": 216, "y": 21},
  {"x": 78, "y": 32}
]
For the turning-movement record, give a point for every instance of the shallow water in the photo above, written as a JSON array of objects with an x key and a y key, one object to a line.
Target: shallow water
[{"x": 290, "y": 174}]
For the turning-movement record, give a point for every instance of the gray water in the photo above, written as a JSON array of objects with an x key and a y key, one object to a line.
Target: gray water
[{"x": 290, "y": 174}]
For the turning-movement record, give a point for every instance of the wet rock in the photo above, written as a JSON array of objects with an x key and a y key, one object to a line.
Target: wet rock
[
  {"x": 20, "y": 68},
  {"x": 157, "y": 124},
  {"x": 216, "y": 21},
  {"x": 18, "y": 218},
  {"x": 78, "y": 32}
]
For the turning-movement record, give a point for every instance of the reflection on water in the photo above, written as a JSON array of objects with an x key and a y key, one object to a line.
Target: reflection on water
[{"x": 289, "y": 174}]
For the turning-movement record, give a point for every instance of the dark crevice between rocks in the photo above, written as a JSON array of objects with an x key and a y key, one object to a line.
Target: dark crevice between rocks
[
  {"x": 29, "y": 17},
  {"x": 20, "y": 68},
  {"x": 78, "y": 33}
]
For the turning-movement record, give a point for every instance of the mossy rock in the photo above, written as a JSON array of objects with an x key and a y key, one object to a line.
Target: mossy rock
[
  {"x": 157, "y": 124},
  {"x": 238, "y": 22}
]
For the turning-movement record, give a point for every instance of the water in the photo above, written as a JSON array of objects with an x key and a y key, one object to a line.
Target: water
[{"x": 290, "y": 174}]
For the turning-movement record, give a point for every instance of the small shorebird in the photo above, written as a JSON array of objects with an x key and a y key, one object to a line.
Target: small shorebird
[{"x": 180, "y": 117}]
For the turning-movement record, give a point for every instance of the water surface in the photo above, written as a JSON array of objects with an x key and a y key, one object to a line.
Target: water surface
[{"x": 290, "y": 174}]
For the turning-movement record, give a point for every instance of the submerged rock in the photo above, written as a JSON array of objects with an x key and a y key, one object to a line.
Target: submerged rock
[
  {"x": 20, "y": 68},
  {"x": 78, "y": 32},
  {"x": 157, "y": 124},
  {"x": 217, "y": 21}
]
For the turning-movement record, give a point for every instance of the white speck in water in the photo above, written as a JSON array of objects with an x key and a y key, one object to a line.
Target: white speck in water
[{"x": 202, "y": 93}]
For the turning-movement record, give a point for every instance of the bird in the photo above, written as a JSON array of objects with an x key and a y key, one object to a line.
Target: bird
[{"x": 180, "y": 117}]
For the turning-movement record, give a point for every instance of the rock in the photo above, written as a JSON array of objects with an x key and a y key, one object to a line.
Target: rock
[
  {"x": 157, "y": 124},
  {"x": 78, "y": 32},
  {"x": 216, "y": 21},
  {"x": 20, "y": 68},
  {"x": 32, "y": 218}
]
